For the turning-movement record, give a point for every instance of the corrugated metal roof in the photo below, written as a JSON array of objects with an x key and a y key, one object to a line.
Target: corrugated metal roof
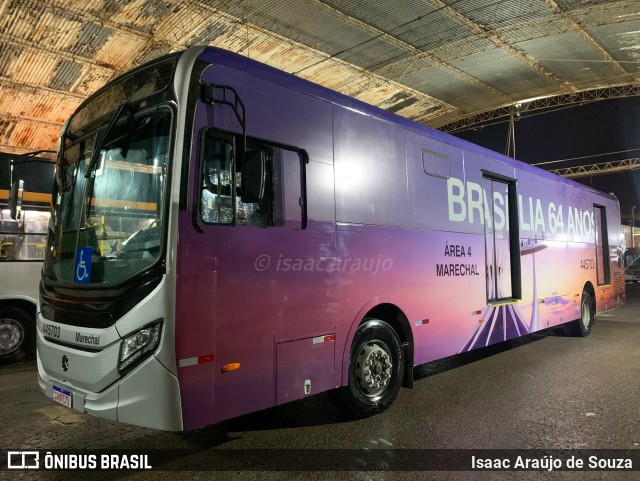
[
  {"x": 497, "y": 15},
  {"x": 434, "y": 61}
]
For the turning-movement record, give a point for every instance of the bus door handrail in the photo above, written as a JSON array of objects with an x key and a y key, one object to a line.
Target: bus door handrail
[{"x": 208, "y": 95}]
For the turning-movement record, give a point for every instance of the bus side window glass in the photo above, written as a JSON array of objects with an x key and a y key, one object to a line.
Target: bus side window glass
[
  {"x": 603, "y": 270},
  {"x": 216, "y": 180},
  {"x": 282, "y": 202},
  {"x": 288, "y": 187},
  {"x": 258, "y": 212},
  {"x": 272, "y": 198}
]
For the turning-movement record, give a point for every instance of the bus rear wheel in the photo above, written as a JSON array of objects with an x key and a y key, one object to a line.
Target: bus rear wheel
[
  {"x": 17, "y": 336},
  {"x": 376, "y": 364},
  {"x": 581, "y": 327}
]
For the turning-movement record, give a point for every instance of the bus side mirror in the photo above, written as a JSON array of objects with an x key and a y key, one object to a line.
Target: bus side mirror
[
  {"x": 15, "y": 199},
  {"x": 253, "y": 176}
]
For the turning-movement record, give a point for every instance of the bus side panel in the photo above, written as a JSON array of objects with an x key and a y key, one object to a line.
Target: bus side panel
[
  {"x": 430, "y": 165},
  {"x": 244, "y": 292},
  {"x": 275, "y": 113},
  {"x": 261, "y": 301},
  {"x": 449, "y": 290},
  {"x": 553, "y": 283},
  {"x": 370, "y": 173},
  {"x": 196, "y": 296},
  {"x": 20, "y": 279},
  {"x": 439, "y": 293}
]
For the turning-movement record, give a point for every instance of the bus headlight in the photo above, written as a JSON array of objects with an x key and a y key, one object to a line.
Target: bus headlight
[{"x": 135, "y": 346}]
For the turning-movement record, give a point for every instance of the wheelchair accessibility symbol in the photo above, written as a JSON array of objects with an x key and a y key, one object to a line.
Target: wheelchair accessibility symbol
[{"x": 83, "y": 265}]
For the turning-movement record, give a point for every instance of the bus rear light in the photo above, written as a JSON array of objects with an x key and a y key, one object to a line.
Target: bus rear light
[
  {"x": 135, "y": 346},
  {"x": 231, "y": 367}
]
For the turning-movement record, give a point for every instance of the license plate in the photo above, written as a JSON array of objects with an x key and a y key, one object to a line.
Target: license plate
[{"x": 62, "y": 396}]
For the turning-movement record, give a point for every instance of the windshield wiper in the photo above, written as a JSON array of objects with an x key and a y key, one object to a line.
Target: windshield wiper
[{"x": 95, "y": 155}]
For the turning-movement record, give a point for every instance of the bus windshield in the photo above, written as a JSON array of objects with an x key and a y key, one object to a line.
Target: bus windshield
[
  {"x": 109, "y": 214},
  {"x": 632, "y": 258}
]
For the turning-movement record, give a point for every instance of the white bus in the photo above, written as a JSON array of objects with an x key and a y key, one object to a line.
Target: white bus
[{"x": 23, "y": 232}]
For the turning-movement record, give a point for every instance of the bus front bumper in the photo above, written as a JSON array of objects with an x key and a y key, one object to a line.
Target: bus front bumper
[{"x": 147, "y": 396}]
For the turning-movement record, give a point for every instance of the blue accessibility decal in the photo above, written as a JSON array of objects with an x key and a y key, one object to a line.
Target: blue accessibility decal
[{"x": 83, "y": 265}]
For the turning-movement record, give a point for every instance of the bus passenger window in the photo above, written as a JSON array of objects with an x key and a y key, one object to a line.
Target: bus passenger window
[
  {"x": 222, "y": 200},
  {"x": 255, "y": 205},
  {"x": 216, "y": 181}
]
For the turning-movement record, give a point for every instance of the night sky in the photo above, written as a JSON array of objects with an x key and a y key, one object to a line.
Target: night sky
[{"x": 584, "y": 130}]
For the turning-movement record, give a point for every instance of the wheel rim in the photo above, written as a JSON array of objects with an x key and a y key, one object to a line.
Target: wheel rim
[
  {"x": 586, "y": 312},
  {"x": 373, "y": 368},
  {"x": 11, "y": 335}
]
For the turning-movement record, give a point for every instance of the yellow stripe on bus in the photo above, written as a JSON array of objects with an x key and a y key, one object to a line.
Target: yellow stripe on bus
[
  {"x": 123, "y": 204},
  {"x": 28, "y": 196}
]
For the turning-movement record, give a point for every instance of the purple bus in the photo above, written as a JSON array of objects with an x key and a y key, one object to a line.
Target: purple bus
[{"x": 228, "y": 237}]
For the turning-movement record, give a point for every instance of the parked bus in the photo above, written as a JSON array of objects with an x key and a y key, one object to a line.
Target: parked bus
[
  {"x": 228, "y": 237},
  {"x": 23, "y": 235}
]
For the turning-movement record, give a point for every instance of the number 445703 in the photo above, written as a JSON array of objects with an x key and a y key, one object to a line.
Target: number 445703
[{"x": 587, "y": 264}]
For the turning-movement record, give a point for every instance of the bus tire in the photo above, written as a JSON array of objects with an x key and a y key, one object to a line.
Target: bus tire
[
  {"x": 581, "y": 327},
  {"x": 376, "y": 365},
  {"x": 17, "y": 334}
]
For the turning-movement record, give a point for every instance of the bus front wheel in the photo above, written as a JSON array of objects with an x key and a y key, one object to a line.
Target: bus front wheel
[
  {"x": 376, "y": 365},
  {"x": 17, "y": 336},
  {"x": 581, "y": 327}
]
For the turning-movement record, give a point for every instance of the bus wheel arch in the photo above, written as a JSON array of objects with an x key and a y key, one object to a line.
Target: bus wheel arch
[
  {"x": 378, "y": 361},
  {"x": 17, "y": 330},
  {"x": 582, "y": 326},
  {"x": 393, "y": 315}
]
